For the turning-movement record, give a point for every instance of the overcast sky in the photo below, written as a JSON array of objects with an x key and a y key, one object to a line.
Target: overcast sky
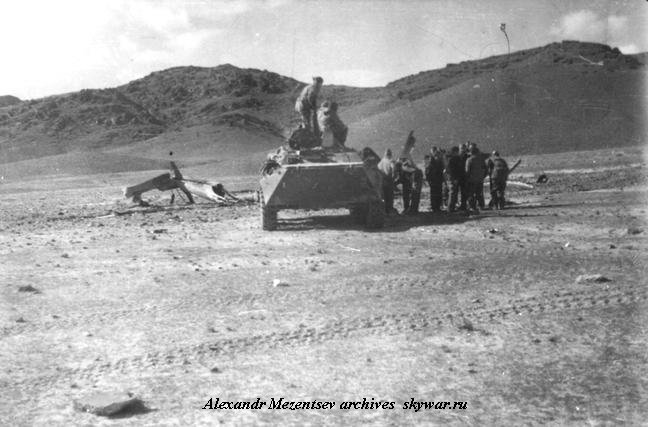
[{"x": 57, "y": 46}]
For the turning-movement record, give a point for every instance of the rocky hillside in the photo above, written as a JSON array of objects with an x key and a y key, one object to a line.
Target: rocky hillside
[
  {"x": 7, "y": 100},
  {"x": 559, "y": 97}
]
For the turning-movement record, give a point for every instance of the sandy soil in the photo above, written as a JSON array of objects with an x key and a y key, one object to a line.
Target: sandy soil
[{"x": 177, "y": 305}]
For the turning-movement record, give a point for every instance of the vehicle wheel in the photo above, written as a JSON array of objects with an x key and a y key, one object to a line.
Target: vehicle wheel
[
  {"x": 375, "y": 217},
  {"x": 268, "y": 217}
]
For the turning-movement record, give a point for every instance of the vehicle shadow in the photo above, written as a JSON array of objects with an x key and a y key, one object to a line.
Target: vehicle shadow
[{"x": 393, "y": 223}]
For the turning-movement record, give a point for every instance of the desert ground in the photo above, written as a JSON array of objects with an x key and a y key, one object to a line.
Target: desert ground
[{"x": 180, "y": 303}]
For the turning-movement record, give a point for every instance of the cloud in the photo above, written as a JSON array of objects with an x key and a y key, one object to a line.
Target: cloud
[
  {"x": 586, "y": 25},
  {"x": 629, "y": 49},
  {"x": 582, "y": 25}
]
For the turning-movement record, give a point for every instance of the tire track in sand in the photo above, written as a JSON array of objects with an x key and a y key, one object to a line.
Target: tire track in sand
[{"x": 383, "y": 324}]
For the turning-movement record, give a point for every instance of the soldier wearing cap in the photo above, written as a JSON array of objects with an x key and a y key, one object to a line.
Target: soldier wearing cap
[{"x": 306, "y": 105}]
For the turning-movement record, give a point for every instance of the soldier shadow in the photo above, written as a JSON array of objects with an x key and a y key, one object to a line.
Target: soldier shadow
[{"x": 393, "y": 223}]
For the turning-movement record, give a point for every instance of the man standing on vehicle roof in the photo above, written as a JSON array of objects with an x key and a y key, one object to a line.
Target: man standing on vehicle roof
[{"x": 306, "y": 105}]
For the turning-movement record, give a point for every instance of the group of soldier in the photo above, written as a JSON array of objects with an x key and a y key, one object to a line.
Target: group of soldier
[
  {"x": 323, "y": 122},
  {"x": 455, "y": 177}
]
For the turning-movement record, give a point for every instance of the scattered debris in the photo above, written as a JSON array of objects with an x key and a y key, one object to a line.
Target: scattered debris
[
  {"x": 215, "y": 192},
  {"x": 520, "y": 184},
  {"x": 29, "y": 288},
  {"x": 634, "y": 231},
  {"x": 592, "y": 278},
  {"x": 109, "y": 404},
  {"x": 351, "y": 249},
  {"x": 105, "y": 216},
  {"x": 278, "y": 282},
  {"x": 466, "y": 325}
]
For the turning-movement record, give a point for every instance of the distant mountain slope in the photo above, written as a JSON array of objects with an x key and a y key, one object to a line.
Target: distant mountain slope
[
  {"x": 558, "y": 56},
  {"x": 536, "y": 109},
  {"x": 560, "y": 97}
]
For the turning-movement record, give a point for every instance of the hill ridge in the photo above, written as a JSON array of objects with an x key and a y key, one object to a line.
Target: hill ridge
[{"x": 565, "y": 95}]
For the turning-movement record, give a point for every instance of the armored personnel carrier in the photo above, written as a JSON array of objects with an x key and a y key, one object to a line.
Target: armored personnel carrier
[{"x": 319, "y": 177}]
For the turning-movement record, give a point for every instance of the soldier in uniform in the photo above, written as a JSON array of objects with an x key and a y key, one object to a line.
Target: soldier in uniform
[
  {"x": 434, "y": 178},
  {"x": 410, "y": 177},
  {"x": 475, "y": 174},
  {"x": 417, "y": 188},
  {"x": 498, "y": 171},
  {"x": 404, "y": 179},
  {"x": 455, "y": 172},
  {"x": 386, "y": 167},
  {"x": 334, "y": 131},
  {"x": 480, "y": 190},
  {"x": 306, "y": 105},
  {"x": 463, "y": 184}
]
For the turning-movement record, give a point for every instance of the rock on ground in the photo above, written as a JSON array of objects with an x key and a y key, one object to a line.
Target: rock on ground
[{"x": 108, "y": 403}]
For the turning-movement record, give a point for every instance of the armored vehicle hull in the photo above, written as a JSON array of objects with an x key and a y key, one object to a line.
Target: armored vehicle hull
[{"x": 321, "y": 179}]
